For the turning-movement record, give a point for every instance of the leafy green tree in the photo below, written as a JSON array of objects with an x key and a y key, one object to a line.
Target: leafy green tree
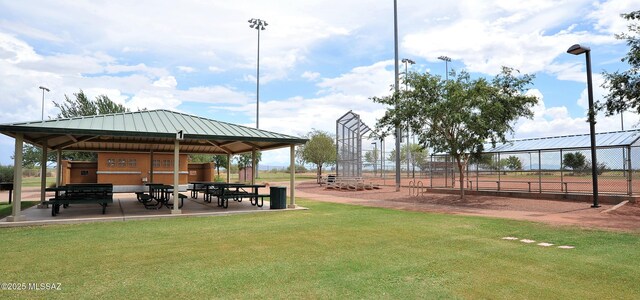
[
  {"x": 244, "y": 160},
  {"x": 624, "y": 87},
  {"x": 221, "y": 162},
  {"x": 459, "y": 115},
  {"x": 371, "y": 157},
  {"x": 576, "y": 161},
  {"x": 419, "y": 155},
  {"x": 200, "y": 158},
  {"x": 78, "y": 106},
  {"x": 6, "y": 173},
  {"x": 513, "y": 163},
  {"x": 319, "y": 150}
]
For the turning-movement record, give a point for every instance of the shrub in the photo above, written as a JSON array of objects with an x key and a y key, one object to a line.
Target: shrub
[{"x": 6, "y": 173}]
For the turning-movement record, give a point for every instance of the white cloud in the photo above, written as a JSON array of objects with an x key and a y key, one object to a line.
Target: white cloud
[
  {"x": 215, "y": 69},
  {"x": 166, "y": 82},
  {"x": 311, "y": 76},
  {"x": 186, "y": 69}
]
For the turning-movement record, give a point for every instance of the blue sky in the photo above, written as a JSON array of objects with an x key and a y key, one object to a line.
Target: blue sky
[{"x": 319, "y": 58}]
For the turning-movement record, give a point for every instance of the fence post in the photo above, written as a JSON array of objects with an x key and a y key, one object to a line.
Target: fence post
[
  {"x": 431, "y": 172},
  {"x": 539, "y": 172},
  {"x": 561, "y": 171},
  {"x": 630, "y": 172},
  {"x": 499, "y": 170},
  {"x": 477, "y": 176}
]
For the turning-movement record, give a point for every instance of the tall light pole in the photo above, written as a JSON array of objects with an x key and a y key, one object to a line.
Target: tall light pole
[
  {"x": 406, "y": 63},
  {"x": 446, "y": 65},
  {"x": 397, "y": 91},
  {"x": 577, "y": 50},
  {"x": 446, "y": 60},
  {"x": 43, "y": 89},
  {"x": 258, "y": 25}
]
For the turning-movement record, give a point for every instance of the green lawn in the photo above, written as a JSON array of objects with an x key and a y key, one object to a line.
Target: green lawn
[
  {"x": 329, "y": 251},
  {"x": 35, "y": 181},
  {"x": 6, "y": 208}
]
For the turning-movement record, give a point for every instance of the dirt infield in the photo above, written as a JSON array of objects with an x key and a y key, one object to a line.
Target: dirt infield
[{"x": 625, "y": 218}]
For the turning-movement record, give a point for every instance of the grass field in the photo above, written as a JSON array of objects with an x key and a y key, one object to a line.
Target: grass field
[
  {"x": 5, "y": 208},
  {"x": 329, "y": 251}
]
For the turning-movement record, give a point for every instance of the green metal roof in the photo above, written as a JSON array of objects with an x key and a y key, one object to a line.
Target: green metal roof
[
  {"x": 148, "y": 130},
  {"x": 615, "y": 139}
]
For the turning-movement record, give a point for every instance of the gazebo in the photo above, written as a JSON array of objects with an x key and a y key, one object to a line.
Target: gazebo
[{"x": 143, "y": 131}]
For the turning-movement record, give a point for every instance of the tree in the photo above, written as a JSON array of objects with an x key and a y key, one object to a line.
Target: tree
[
  {"x": 244, "y": 160},
  {"x": 319, "y": 150},
  {"x": 576, "y": 161},
  {"x": 78, "y": 106},
  {"x": 371, "y": 157},
  {"x": 624, "y": 87},
  {"x": 418, "y": 155},
  {"x": 200, "y": 158},
  {"x": 513, "y": 163},
  {"x": 459, "y": 115},
  {"x": 221, "y": 162}
]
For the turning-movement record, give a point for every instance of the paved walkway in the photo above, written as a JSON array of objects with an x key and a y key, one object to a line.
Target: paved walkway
[{"x": 126, "y": 207}]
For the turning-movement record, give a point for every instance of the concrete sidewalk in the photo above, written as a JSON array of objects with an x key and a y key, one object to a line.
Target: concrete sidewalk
[{"x": 126, "y": 207}]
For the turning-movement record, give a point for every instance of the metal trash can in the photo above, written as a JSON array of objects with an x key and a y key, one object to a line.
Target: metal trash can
[{"x": 277, "y": 197}]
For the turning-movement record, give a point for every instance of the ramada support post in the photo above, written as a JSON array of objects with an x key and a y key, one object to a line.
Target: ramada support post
[
  {"x": 176, "y": 177},
  {"x": 17, "y": 180},
  {"x": 43, "y": 174},
  {"x": 292, "y": 172}
]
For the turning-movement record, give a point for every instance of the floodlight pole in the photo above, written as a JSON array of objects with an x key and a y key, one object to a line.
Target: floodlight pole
[
  {"x": 406, "y": 62},
  {"x": 396, "y": 91},
  {"x": 258, "y": 25},
  {"x": 43, "y": 89},
  {"x": 577, "y": 50},
  {"x": 446, "y": 60}
]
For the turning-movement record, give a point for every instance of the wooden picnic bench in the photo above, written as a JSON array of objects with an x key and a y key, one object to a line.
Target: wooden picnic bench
[{"x": 99, "y": 193}]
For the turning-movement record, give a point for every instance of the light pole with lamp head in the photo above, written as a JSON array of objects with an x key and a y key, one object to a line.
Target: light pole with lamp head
[
  {"x": 43, "y": 89},
  {"x": 577, "y": 50},
  {"x": 396, "y": 91},
  {"x": 258, "y": 25},
  {"x": 406, "y": 63},
  {"x": 446, "y": 60}
]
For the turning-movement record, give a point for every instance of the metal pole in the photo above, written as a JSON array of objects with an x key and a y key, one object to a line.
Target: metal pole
[
  {"x": 539, "y": 171},
  {"x": 42, "y": 105},
  {"x": 624, "y": 160},
  {"x": 43, "y": 89},
  {"x": 258, "y": 85},
  {"x": 396, "y": 90},
  {"x": 630, "y": 173},
  {"x": 561, "y": 173},
  {"x": 592, "y": 132}
]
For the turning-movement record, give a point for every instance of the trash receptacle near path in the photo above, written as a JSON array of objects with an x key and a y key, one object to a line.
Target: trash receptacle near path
[{"x": 277, "y": 197}]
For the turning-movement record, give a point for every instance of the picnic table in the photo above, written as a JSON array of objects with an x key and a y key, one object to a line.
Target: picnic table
[
  {"x": 159, "y": 195},
  {"x": 237, "y": 191},
  {"x": 7, "y": 186},
  {"x": 198, "y": 187},
  {"x": 77, "y": 193}
]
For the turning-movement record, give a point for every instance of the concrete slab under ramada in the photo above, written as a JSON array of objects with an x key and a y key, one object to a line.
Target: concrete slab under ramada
[{"x": 125, "y": 207}]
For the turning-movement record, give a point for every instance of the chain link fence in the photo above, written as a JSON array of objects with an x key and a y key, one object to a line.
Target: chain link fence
[{"x": 558, "y": 171}]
